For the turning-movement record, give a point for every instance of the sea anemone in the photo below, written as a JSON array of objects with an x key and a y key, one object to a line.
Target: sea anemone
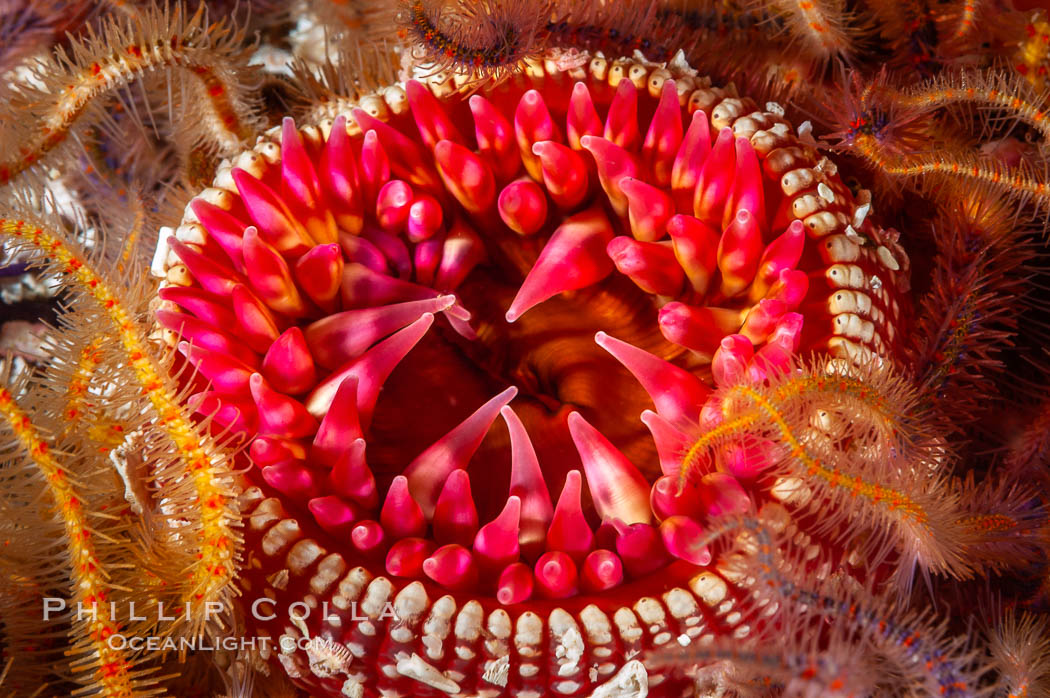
[
  {"x": 526, "y": 359},
  {"x": 367, "y": 297}
]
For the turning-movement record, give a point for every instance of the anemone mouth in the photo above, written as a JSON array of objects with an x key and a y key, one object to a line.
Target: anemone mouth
[
  {"x": 549, "y": 355},
  {"x": 369, "y": 297}
]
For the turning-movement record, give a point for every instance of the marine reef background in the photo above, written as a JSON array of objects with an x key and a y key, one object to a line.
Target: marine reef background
[{"x": 547, "y": 347}]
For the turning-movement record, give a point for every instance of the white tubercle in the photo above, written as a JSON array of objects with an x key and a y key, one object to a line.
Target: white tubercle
[{"x": 631, "y": 681}]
